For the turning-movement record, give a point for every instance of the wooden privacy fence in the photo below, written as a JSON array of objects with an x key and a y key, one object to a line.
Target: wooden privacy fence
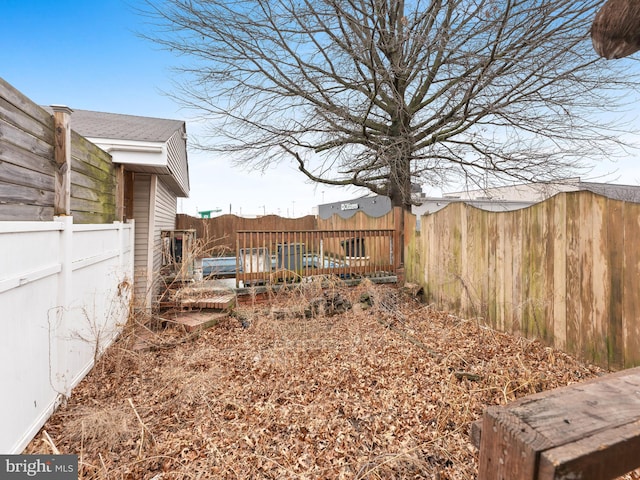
[
  {"x": 566, "y": 271},
  {"x": 285, "y": 256},
  {"x": 217, "y": 235},
  {"x": 46, "y": 169}
]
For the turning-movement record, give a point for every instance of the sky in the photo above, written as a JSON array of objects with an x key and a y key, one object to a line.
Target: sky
[{"x": 88, "y": 55}]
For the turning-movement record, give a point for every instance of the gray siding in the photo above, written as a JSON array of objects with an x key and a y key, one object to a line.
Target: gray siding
[
  {"x": 177, "y": 160},
  {"x": 165, "y": 219},
  {"x": 154, "y": 209},
  {"x": 141, "y": 209}
]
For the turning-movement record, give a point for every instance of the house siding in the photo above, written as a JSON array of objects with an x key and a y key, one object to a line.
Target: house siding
[
  {"x": 165, "y": 219},
  {"x": 154, "y": 209},
  {"x": 177, "y": 159},
  {"x": 141, "y": 209}
]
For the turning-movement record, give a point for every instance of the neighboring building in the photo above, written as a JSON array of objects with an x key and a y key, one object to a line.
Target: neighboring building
[
  {"x": 372, "y": 205},
  {"x": 497, "y": 199},
  {"x": 152, "y": 154},
  {"x": 537, "y": 192},
  {"x": 378, "y": 206}
]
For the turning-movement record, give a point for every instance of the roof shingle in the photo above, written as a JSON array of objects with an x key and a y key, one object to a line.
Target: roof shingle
[{"x": 123, "y": 127}]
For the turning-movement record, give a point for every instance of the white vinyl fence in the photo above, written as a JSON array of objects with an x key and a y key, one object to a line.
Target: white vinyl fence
[{"x": 64, "y": 294}]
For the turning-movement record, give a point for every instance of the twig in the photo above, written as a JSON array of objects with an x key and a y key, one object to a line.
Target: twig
[
  {"x": 104, "y": 467},
  {"x": 468, "y": 375},
  {"x": 144, "y": 427},
  {"x": 50, "y": 442}
]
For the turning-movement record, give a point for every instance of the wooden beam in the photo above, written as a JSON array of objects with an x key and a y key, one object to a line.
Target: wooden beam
[
  {"x": 120, "y": 192},
  {"x": 62, "y": 156},
  {"x": 604, "y": 455},
  {"x": 589, "y": 431}
]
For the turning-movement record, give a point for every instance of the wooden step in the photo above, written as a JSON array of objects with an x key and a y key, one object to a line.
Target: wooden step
[
  {"x": 215, "y": 302},
  {"x": 193, "y": 321},
  {"x": 144, "y": 339}
]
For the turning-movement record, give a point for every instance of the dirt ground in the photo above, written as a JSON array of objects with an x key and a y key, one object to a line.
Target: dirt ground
[{"x": 346, "y": 383}]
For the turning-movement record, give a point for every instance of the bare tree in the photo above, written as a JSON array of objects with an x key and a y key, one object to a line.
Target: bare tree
[{"x": 383, "y": 93}]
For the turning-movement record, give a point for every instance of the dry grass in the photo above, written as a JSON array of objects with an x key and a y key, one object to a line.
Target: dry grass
[{"x": 304, "y": 390}]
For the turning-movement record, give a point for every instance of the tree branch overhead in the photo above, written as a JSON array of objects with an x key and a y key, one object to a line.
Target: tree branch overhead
[{"x": 383, "y": 94}]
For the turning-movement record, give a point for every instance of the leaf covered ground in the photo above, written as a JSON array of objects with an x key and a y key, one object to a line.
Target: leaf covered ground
[{"x": 342, "y": 383}]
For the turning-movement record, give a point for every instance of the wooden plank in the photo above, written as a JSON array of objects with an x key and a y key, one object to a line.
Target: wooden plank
[
  {"x": 559, "y": 229},
  {"x": 16, "y": 175},
  {"x": 13, "y": 135},
  {"x": 585, "y": 265},
  {"x": 89, "y": 194},
  {"x": 533, "y": 273},
  {"x": 21, "y": 157},
  {"x": 82, "y": 205},
  {"x": 526, "y": 273},
  {"x": 461, "y": 271},
  {"x": 492, "y": 266},
  {"x": 514, "y": 437},
  {"x": 81, "y": 217},
  {"x": 574, "y": 304},
  {"x": 480, "y": 279},
  {"x": 597, "y": 331},
  {"x": 500, "y": 280},
  {"x": 86, "y": 152},
  {"x": 508, "y": 295},
  {"x": 630, "y": 297},
  {"x": 605, "y": 455},
  {"x": 23, "y": 103},
  {"x": 571, "y": 413},
  {"x": 103, "y": 174},
  {"x": 516, "y": 237},
  {"x": 547, "y": 264},
  {"x": 193, "y": 322},
  {"x": 19, "y": 194},
  {"x": 615, "y": 259},
  {"x": 509, "y": 448},
  {"x": 14, "y": 212},
  {"x": 427, "y": 240},
  {"x": 450, "y": 264},
  {"x": 10, "y": 114}
]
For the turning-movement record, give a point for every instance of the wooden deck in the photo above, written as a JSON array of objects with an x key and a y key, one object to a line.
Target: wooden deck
[{"x": 272, "y": 257}]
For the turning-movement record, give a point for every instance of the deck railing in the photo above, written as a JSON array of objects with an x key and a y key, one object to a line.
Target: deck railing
[{"x": 283, "y": 257}]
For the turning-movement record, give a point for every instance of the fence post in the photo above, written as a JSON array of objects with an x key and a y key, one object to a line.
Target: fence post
[
  {"x": 59, "y": 333},
  {"x": 121, "y": 253},
  {"x": 398, "y": 240},
  {"x": 120, "y": 193},
  {"x": 62, "y": 156},
  {"x": 131, "y": 256}
]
